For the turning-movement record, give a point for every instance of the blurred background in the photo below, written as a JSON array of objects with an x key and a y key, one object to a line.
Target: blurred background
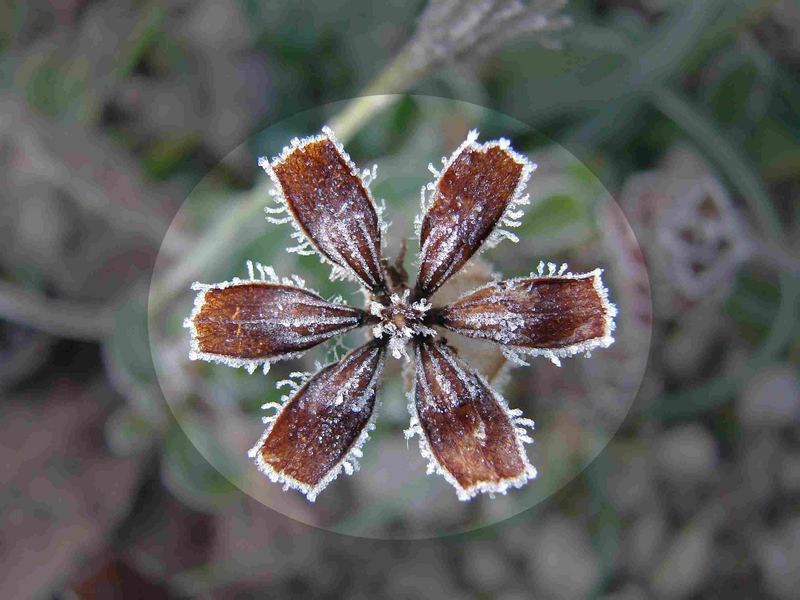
[{"x": 129, "y": 133}]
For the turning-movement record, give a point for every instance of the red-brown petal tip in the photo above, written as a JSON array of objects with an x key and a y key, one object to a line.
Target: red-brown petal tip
[
  {"x": 477, "y": 190},
  {"x": 331, "y": 205},
  {"x": 319, "y": 431},
  {"x": 551, "y": 313},
  {"x": 255, "y": 322},
  {"x": 466, "y": 430}
]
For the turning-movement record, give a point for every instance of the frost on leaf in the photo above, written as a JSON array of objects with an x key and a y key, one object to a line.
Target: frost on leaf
[
  {"x": 331, "y": 205},
  {"x": 477, "y": 190},
  {"x": 467, "y": 431},
  {"x": 555, "y": 314},
  {"x": 254, "y": 322},
  {"x": 319, "y": 431}
]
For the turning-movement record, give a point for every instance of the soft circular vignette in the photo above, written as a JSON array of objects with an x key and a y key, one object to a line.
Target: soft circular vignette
[{"x": 577, "y": 408}]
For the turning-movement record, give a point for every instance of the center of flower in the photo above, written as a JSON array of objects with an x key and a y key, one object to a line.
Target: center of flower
[{"x": 400, "y": 320}]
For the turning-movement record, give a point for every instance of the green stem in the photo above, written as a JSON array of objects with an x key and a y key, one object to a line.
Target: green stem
[{"x": 397, "y": 77}]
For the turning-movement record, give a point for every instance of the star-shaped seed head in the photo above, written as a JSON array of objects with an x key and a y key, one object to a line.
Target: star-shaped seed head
[{"x": 466, "y": 430}]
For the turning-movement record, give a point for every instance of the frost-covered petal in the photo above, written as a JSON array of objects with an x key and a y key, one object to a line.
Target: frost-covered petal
[
  {"x": 331, "y": 205},
  {"x": 255, "y": 322},
  {"x": 466, "y": 429},
  {"x": 475, "y": 191},
  {"x": 319, "y": 431},
  {"x": 548, "y": 313}
]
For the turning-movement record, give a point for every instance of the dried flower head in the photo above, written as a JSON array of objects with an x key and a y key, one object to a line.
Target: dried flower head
[{"x": 466, "y": 430}]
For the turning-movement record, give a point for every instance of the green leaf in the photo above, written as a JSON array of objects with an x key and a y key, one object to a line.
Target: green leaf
[
  {"x": 730, "y": 95},
  {"x": 775, "y": 146}
]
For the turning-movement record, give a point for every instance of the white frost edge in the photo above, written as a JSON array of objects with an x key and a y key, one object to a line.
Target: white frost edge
[
  {"x": 510, "y": 216},
  {"x": 267, "y": 276},
  {"x": 556, "y": 354},
  {"x": 521, "y": 438},
  {"x": 348, "y": 463},
  {"x": 307, "y": 245}
]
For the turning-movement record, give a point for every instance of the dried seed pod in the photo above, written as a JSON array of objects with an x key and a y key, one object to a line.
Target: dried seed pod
[
  {"x": 331, "y": 205},
  {"x": 252, "y": 323},
  {"x": 319, "y": 431},
  {"x": 466, "y": 430},
  {"x": 553, "y": 314},
  {"x": 474, "y": 193}
]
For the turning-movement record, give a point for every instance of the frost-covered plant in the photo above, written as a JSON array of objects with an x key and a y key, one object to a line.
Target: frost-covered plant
[
  {"x": 466, "y": 430},
  {"x": 451, "y": 30}
]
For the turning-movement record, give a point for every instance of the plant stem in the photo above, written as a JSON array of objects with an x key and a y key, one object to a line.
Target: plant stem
[{"x": 397, "y": 77}]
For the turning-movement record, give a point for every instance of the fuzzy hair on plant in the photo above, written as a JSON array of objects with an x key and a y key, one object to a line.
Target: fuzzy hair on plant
[{"x": 466, "y": 429}]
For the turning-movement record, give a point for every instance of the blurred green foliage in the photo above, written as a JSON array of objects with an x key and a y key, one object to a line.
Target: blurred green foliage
[
  {"x": 631, "y": 81},
  {"x": 624, "y": 88}
]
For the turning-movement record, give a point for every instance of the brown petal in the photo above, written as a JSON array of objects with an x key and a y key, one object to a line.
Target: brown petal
[
  {"x": 545, "y": 314},
  {"x": 331, "y": 205},
  {"x": 466, "y": 429},
  {"x": 252, "y": 323},
  {"x": 321, "y": 429},
  {"x": 474, "y": 192}
]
